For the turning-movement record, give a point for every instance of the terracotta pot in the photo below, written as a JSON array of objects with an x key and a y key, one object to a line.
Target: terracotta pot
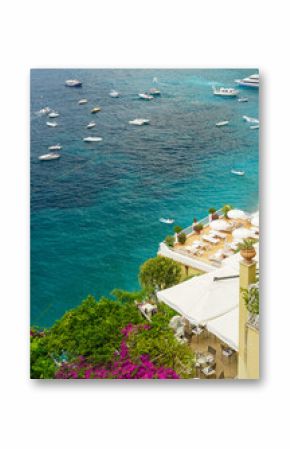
[{"x": 248, "y": 254}]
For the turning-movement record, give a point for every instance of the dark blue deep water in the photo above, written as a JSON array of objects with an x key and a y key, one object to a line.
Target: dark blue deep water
[{"x": 95, "y": 211}]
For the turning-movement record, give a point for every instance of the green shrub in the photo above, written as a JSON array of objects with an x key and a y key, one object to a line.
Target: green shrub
[
  {"x": 181, "y": 238},
  {"x": 198, "y": 227},
  {"x": 169, "y": 240},
  {"x": 226, "y": 208},
  {"x": 212, "y": 210},
  {"x": 177, "y": 229}
]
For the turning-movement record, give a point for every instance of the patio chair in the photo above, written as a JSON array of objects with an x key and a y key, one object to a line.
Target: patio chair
[{"x": 210, "y": 239}]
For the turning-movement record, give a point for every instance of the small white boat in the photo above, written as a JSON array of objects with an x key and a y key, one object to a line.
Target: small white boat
[
  {"x": 255, "y": 127},
  {"x": 53, "y": 114},
  {"x": 250, "y": 119},
  {"x": 243, "y": 100},
  {"x": 73, "y": 83},
  {"x": 92, "y": 139},
  {"x": 225, "y": 91},
  {"x": 49, "y": 157},
  {"x": 155, "y": 79},
  {"x": 91, "y": 125},
  {"x": 154, "y": 91},
  {"x": 45, "y": 110},
  {"x": 166, "y": 220},
  {"x": 225, "y": 122},
  {"x": 114, "y": 94},
  {"x": 56, "y": 147},
  {"x": 139, "y": 121},
  {"x": 95, "y": 110},
  {"x": 51, "y": 124},
  {"x": 238, "y": 172},
  {"x": 145, "y": 96},
  {"x": 83, "y": 101}
]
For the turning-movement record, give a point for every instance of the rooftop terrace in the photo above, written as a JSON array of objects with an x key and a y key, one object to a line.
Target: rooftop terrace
[{"x": 207, "y": 250}]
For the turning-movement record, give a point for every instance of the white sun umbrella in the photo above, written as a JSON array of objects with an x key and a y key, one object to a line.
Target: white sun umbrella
[
  {"x": 237, "y": 213},
  {"x": 255, "y": 219},
  {"x": 241, "y": 233},
  {"x": 220, "y": 225}
]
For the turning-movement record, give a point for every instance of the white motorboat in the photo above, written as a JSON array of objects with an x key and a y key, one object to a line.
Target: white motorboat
[
  {"x": 251, "y": 119},
  {"x": 51, "y": 124},
  {"x": 154, "y": 91},
  {"x": 56, "y": 147},
  {"x": 255, "y": 127},
  {"x": 166, "y": 220},
  {"x": 91, "y": 125},
  {"x": 73, "y": 83},
  {"x": 83, "y": 101},
  {"x": 53, "y": 114},
  {"x": 225, "y": 122},
  {"x": 92, "y": 139},
  {"x": 146, "y": 96},
  {"x": 139, "y": 121},
  {"x": 243, "y": 99},
  {"x": 238, "y": 172},
  {"x": 49, "y": 157},
  {"x": 114, "y": 94},
  {"x": 155, "y": 79},
  {"x": 95, "y": 110},
  {"x": 249, "y": 81},
  {"x": 225, "y": 91},
  {"x": 45, "y": 110}
]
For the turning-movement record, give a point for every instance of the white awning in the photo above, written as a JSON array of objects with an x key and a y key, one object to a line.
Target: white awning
[
  {"x": 226, "y": 328},
  {"x": 202, "y": 298}
]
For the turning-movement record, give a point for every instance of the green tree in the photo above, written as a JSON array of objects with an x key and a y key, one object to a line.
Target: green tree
[
  {"x": 92, "y": 329},
  {"x": 42, "y": 365},
  {"x": 159, "y": 273}
]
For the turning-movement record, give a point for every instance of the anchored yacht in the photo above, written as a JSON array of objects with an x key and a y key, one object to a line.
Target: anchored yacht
[
  {"x": 73, "y": 83},
  {"x": 249, "y": 81}
]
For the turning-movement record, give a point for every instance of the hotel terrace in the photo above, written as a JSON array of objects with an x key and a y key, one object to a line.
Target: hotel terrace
[
  {"x": 213, "y": 317},
  {"x": 219, "y": 239}
]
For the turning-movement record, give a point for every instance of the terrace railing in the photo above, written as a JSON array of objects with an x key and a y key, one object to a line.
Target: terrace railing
[{"x": 205, "y": 221}]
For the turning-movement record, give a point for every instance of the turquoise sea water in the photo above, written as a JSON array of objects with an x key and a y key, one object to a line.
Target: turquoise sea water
[{"x": 95, "y": 211}]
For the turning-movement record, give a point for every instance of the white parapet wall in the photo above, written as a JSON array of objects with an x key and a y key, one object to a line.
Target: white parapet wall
[{"x": 165, "y": 251}]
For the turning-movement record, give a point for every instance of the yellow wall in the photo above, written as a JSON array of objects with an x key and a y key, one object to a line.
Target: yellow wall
[{"x": 248, "y": 362}]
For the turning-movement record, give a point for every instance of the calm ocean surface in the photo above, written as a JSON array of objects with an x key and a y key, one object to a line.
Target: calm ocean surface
[{"x": 95, "y": 211}]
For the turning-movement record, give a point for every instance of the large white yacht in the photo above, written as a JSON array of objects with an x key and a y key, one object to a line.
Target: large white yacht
[{"x": 249, "y": 81}]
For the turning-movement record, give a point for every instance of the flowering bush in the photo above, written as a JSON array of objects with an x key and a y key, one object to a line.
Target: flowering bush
[{"x": 121, "y": 367}]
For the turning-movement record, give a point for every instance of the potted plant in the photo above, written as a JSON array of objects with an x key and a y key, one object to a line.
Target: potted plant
[
  {"x": 213, "y": 214},
  {"x": 169, "y": 240},
  {"x": 226, "y": 209},
  {"x": 177, "y": 229},
  {"x": 198, "y": 227},
  {"x": 247, "y": 249},
  {"x": 181, "y": 238}
]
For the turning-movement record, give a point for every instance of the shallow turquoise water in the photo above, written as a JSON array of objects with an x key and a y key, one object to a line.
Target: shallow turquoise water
[{"x": 95, "y": 212}]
